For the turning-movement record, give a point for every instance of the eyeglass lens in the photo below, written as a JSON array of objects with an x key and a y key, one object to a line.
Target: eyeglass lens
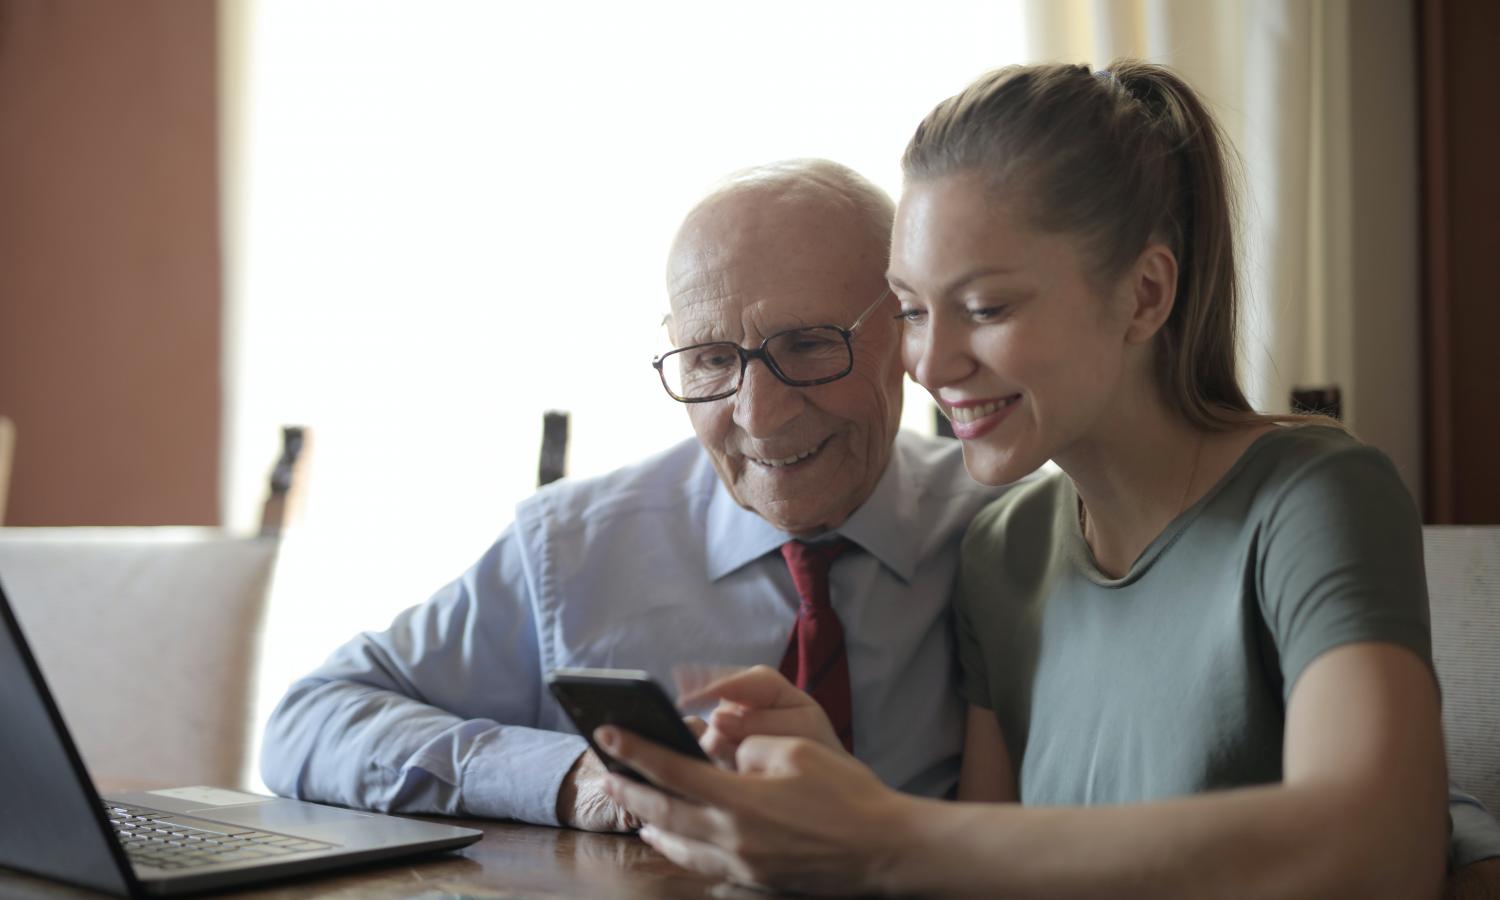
[{"x": 802, "y": 356}]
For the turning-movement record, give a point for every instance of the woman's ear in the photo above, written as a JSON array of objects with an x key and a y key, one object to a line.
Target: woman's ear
[{"x": 1153, "y": 292}]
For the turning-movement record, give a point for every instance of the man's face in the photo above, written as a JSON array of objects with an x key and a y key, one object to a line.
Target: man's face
[{"x": 755, "y": 263}]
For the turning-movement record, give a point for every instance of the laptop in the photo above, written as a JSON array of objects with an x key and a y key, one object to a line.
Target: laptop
[{"x": 176, "y": 841}]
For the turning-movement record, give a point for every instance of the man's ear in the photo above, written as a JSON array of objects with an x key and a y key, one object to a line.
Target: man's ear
[
  {"x": 668, "y": 324},
  {"x": 1153, "y": 292}
]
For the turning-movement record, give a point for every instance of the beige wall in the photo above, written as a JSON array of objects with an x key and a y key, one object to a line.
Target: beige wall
[
  {"x": 109, "y": 260},
  {"x": 1372, "y": 253}
]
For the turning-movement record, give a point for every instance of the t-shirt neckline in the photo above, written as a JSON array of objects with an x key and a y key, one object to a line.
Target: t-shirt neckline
[{"x": 1083, "y": 555}]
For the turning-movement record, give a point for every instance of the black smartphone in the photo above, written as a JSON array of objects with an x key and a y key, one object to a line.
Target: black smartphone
[{"x": 627, "y": 698}]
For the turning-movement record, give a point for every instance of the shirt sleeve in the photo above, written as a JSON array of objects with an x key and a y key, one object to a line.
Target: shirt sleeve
[
  {"x": 970, "y": 592},
  {"x": 1341, "y": 562},
  {"x": 436, "y": 714},
  {"x": 1476, "y": 834}
]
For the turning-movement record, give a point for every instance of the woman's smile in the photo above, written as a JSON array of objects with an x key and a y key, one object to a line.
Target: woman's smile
[{"x": 973, "y": 419}]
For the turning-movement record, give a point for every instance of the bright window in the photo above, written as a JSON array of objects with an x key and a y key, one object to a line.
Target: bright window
[{"x": 444, "y": 218}]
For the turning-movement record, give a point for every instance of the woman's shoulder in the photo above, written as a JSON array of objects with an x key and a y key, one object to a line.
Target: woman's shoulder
[
  {"x": 1314, "y": 458},
  {"x": 1016, "y": 536},
  {"x": 1026, "y": 506}
]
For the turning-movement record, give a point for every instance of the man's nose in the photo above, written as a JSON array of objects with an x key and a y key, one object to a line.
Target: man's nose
[
  {"x": 941, "y": 357},
  {"x": 764, "y": 402}
]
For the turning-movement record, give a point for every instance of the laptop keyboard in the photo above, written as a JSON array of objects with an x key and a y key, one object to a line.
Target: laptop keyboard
[{"x": 172, "y": 841}]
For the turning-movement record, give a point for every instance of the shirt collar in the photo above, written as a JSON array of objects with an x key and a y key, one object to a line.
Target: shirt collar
[{"x": 884, "y": 526}]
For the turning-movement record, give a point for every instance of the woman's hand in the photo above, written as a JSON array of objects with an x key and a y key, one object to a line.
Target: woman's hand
[
  {"x": 797, "y": 815},
  {"x": 760, "y": 701}
]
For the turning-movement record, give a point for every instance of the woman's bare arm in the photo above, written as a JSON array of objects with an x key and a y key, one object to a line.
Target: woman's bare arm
[{"x": 1360, "y": 813}]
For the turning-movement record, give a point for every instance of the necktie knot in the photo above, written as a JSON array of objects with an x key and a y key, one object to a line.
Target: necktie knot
[{"x": 809, "y": 565}]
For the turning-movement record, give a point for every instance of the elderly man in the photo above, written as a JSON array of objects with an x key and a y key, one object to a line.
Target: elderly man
[{"x": 787, "y": 362}]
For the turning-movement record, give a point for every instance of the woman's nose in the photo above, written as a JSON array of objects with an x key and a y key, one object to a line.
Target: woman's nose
[{"x": 935, "y": 357}]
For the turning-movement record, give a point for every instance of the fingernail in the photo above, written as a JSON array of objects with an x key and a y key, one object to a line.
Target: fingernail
[
  {"x": 606, "y": 737},
  {"x": 648, "y": 833}
]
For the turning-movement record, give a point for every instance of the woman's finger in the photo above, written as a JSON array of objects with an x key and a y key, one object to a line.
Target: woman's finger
[
  {"x": 810, "y": 722},
  {"x": 759, "y": 686},
  {"x": 705, "y": 859},
  {"x": 665, "y": 813},
  {"x": 690, "y": 778},
  {"x": 696, "y": 725},
  {"x": 766, "y": 755},
  {"x": 719, "y": 747},
  {"x": 645, "y": 803}
]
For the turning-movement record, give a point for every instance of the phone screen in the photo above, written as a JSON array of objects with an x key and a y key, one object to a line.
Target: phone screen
[{"x": 626, "y": 698}]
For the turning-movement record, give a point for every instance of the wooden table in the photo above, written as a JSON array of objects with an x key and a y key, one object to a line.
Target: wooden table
[
  {"x": 512, "y": 862},
  {"x": 530, "y": 862}
]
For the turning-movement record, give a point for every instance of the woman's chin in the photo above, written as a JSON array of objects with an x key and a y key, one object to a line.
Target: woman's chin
[{"x": 992, "y": 466}]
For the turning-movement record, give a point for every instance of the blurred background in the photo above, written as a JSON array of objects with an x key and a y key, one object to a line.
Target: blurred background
[{"x": 415, "y": 226}]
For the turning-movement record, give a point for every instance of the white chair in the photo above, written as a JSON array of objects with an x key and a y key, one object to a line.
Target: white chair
[
  {"x": 148, "y": 639},
  {"x": 1463, "y": 584},
  {"x": 7, "y": 458}
]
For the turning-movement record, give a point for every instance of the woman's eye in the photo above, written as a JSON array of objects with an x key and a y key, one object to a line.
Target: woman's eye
[
  {"x": 911, "y": 314},
  {"x": 987, "y": 313}
]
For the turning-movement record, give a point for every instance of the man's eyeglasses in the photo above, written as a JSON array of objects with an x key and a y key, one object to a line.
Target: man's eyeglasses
[{"x": 801, "y": 357}]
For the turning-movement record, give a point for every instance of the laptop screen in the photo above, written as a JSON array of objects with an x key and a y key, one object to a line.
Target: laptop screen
[{"x": 51, "y": 820}]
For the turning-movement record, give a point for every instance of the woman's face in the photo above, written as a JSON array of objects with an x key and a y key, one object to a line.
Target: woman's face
[{"x": 1002, "y": 325}]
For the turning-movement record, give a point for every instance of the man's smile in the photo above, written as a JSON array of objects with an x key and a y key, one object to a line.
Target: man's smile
[{"x": 790, "y": 459}]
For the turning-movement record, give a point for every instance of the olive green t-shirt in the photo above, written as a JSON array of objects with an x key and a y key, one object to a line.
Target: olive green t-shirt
[{"x": 1173, "y": 679}]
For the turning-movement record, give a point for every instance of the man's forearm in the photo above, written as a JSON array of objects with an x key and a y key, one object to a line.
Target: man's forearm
[{"x": 357, "y": 745}]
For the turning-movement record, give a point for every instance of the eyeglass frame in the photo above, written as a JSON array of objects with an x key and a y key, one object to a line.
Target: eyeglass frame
[{"x": 760, "y": 353}]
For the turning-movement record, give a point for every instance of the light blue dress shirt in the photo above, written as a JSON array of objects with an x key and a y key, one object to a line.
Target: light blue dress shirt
[{"x": 649, "y": 567}]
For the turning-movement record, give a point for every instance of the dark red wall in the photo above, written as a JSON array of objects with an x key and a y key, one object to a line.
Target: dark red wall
[
  {"x": 1461, "y": 258},
  {"x": 109, "y": 260}
]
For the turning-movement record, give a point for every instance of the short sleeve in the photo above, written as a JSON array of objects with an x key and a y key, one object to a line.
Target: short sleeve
[
  {"x": 973, "y": 683},
  {"x": 1340, "y": 561},
  {"x": 972, "y": 603},
  {"x": 1476, "y": 834}
]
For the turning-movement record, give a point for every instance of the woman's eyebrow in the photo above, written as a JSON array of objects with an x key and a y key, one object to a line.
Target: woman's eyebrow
[{"x": 957, "y": 283}]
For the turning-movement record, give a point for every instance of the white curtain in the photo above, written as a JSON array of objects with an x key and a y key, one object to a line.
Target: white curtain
[{"x": 1319, "y": 98}]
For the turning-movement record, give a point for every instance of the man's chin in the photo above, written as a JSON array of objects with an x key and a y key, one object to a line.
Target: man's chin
[
  {"x": 801, "y": 498},
  {"x": 818, "y": 508},
  {"x": 806, "y": 526}
]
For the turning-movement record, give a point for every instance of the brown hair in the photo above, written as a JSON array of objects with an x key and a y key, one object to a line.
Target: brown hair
[{"x": 1119, "y": 157}]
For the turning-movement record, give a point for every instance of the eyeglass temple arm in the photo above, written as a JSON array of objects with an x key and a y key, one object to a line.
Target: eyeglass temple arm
[{"x": 870, "y": 309}]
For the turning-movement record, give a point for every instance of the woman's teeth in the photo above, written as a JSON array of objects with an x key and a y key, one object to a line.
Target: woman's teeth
[{"x": 966, "y": 414}]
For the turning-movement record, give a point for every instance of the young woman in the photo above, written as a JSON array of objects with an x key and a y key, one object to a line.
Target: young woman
[{"x": 1199, "y": 655}]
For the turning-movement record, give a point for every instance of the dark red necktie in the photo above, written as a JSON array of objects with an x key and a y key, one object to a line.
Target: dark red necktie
[{"x": 815, "y": 659}]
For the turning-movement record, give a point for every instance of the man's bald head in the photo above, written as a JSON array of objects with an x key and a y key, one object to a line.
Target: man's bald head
[
  {"x": 790, "y": 190},
  {"x": 786, "y": 246}
]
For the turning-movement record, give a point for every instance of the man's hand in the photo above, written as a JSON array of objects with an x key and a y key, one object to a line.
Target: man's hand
[
  {"x": 759, "y": 701},
  {"x": 581, "y": 802}
]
